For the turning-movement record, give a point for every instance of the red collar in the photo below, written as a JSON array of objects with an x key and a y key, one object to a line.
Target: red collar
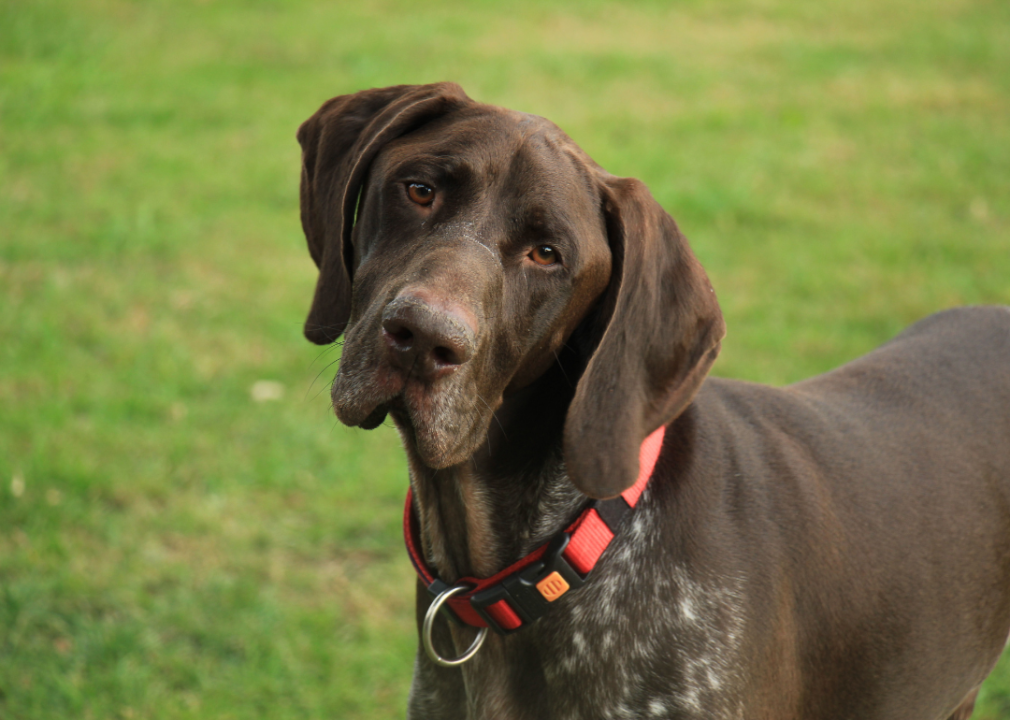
[{"x": 522, "y": 592}]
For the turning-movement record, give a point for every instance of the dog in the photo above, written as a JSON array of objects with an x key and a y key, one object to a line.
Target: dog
[{"x": 540, "y": 332}]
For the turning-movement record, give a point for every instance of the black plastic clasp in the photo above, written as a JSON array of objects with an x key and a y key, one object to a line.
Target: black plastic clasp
[{"x": 520, "y": 591}]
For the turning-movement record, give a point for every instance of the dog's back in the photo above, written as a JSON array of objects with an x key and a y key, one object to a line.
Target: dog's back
[{"x": 909, "y": 441}]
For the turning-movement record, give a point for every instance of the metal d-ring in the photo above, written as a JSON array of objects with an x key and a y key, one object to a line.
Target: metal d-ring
[{"x": 429, "y": 620}]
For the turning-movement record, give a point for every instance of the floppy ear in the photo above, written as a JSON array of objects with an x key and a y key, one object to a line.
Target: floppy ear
[
  {"x": 338, "y": 144},
  {"x": 662, "y": 329}
]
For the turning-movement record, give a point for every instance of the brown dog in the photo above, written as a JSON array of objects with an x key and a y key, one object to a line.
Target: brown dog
[{"x": 836, "y": 549}]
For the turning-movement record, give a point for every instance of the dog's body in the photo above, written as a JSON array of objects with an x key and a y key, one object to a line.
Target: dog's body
[{"x": 836, "y": 549}]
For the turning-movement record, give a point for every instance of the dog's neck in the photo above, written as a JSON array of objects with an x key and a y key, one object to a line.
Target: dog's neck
[{"x": 512, "y": 495}]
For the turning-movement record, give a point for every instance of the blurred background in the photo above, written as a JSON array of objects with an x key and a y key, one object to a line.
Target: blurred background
[{"x": 185, "y": 529}]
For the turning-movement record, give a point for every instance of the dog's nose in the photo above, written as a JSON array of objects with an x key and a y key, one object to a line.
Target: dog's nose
[{"x": 428, "y": 339}]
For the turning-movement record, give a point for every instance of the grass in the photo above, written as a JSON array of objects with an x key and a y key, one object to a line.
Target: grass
[{"x": 171, "y": 547}]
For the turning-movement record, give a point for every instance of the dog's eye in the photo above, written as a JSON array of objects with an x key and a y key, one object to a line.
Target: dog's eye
[
  {"x": 420, "y": 193},
  {"x": 544, "y": 255}
]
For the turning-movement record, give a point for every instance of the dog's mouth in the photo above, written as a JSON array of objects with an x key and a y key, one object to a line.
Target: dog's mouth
[
  {"x": 433, "y": 419},
  {"x": 362, "y": 397}
]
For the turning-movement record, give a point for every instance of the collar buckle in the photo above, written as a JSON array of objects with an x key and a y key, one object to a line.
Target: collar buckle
[{"x": 530, "y": 590}]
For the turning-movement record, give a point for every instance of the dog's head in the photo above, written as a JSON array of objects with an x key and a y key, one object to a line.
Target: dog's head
[{"x": 461, "y": 245}]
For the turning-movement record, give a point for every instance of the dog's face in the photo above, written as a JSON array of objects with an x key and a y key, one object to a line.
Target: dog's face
[
  {"x": 480, "y": 244},
  {"x": 460, "y": 245}
]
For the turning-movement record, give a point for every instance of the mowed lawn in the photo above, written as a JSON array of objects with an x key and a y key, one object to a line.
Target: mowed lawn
[{"x": 185, "y": 530}]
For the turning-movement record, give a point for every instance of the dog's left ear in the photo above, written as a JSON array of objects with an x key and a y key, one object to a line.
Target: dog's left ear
[
  {"x": 338, "y": 144},
  {"x": 661, "y": 332}
]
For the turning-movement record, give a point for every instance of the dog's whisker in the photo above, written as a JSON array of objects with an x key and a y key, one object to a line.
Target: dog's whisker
[
  {"x": 562, "y": 367},
  {"x": 494, "y": 415},
  {"x": 316, "y": 379}
]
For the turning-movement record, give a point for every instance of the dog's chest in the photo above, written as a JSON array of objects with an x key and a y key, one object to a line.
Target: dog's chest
[
  {"x": 642, "y": 639},
  {"x": 645, "y": 640}
]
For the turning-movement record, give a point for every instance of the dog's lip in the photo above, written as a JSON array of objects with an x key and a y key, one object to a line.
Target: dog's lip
[
  {"x": 370, "y": 413},
  {"x": 358, "y": 392},
  {"x": 375, "y": 417},
  {"x": 365, "y": 410}
]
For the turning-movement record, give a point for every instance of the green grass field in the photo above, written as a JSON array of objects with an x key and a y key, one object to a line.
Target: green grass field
[{"x": 172, "y": 547}]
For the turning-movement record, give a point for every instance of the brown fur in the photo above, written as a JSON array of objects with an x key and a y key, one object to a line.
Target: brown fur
[{"x": 836, "y": 549}]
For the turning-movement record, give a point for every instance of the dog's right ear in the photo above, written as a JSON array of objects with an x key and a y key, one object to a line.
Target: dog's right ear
[{"x": 338, "y": 144}]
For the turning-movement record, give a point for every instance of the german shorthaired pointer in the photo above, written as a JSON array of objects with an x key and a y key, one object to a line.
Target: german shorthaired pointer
[{"x": 839, "y": 548}]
